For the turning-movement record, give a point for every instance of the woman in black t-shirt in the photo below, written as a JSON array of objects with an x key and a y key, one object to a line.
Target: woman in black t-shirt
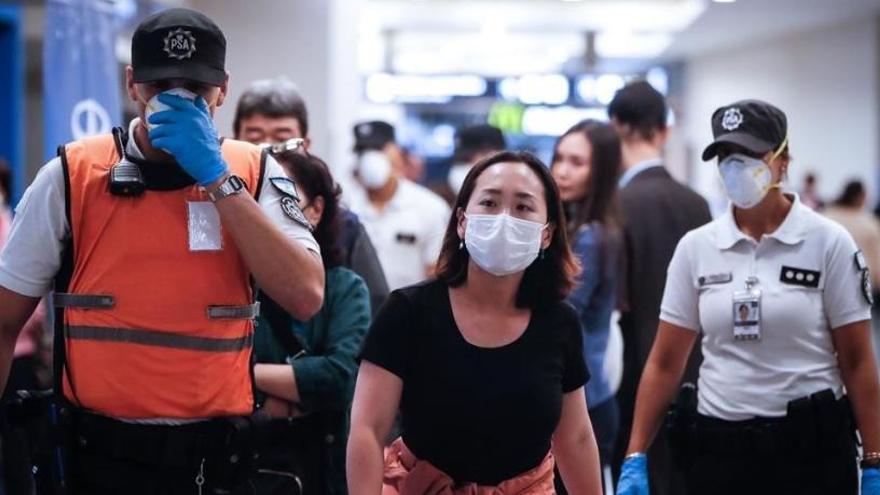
[{"x": 484, "y": 362}]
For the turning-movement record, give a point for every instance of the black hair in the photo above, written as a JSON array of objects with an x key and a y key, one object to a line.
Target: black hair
[
  {"x": 600, "y": 202},
  {"x": 640, "y": 109},
  {"x": 312, "y": 176},
  {"x": 5, "y": 180},
  {"x": 546, "y": 280},
  {"x": 852, "y": 192},
  {"x": 273, "y": 98}
]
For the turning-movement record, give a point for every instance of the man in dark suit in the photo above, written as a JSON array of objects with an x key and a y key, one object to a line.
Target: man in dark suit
[{"x": 657, "y": 212}]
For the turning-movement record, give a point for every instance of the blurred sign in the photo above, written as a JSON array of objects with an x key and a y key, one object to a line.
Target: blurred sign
[
  {"x": 81, "y": 85},
  {"x": 507, "y": 116},
  {"x": 393, "y": 88}
]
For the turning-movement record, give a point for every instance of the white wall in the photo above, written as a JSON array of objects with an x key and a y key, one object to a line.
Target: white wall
[
  {"x": 312, "y": 42},
  {"x": 825, "y": 80}
]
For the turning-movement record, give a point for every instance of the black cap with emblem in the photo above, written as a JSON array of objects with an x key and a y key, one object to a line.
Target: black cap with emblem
[
  {"x": 755, "y": 125},
  {"x": 477, "y": 139},
  {"x": 179, "y": 43},
  {"x": 373, "y": 135}
]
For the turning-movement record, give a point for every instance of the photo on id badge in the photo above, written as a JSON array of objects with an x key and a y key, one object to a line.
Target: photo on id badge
[{"x": 747, "y": 315}]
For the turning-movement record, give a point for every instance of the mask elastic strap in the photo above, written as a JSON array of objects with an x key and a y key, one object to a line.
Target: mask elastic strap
[{"x": 779, "y": 149}]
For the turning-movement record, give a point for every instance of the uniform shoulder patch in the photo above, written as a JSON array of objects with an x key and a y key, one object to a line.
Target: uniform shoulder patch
[
  {"x": 861, "y": 262},
  {"x": 862, "y": 266},
  {"x": 285, "y": 186},
  {"x": 293, "y": 211}
]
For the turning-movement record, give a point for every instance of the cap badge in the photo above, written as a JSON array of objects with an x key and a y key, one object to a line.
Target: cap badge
[
  {"x": 732, "y": 119},
  {"x": 180, "y": 44},
  {"x": 365, "y": 129}
]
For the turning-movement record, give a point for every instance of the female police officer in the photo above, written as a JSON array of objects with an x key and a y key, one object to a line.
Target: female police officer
[{"x": 772, "y": 416}]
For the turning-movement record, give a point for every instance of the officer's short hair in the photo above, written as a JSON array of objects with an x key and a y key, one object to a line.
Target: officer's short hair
[{"x": 275, "y": 98}]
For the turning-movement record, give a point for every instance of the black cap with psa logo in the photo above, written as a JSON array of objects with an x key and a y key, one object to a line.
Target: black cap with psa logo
[
  {"x": 755, "y": 125},
  {"x": 179, "y": 43}
]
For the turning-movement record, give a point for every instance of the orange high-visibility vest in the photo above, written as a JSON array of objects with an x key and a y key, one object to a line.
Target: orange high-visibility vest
[{"x": 152, "y": 329}]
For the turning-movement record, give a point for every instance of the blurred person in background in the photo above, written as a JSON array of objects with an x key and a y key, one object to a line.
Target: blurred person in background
[
  {"x": 586, "y": 166},
  {"x": 306, "y": 369},
  {"x": 414, "y": 165},
  {"x": 26, "y": 362},
  {"x": 472, "y": 144},
  {"x": 780, "y": 297},
  {"x": 405, "y": 220},
  {"x": 485, "y": 362},
  {"x": 809, "y": 193},
  {"x": 849, "y": 211},
  {"x": 657, "y": 211},
  {"x": 272, "y": 111}
]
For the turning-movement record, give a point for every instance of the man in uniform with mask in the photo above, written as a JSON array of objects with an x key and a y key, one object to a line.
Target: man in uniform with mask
[
  {"x": 150, "y": 238},
  {"x": 472, "y": 144},
  {"x": 404, "y": 220},
  {"x": 657, "y": 212}
]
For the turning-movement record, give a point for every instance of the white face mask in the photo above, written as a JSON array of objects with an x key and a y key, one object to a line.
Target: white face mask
[
  {"x": 154, "y": 105},
  {"x": 501, "y": 244},
  {"x": 747, "y": 180},
  {"x": 457, "y": 174},
  {"x": 374, "y": 169}
]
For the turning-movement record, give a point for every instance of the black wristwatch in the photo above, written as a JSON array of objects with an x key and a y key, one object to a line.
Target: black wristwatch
[
  {"x": 870, "y": 464},
  {"x": 229, "y": 187}
]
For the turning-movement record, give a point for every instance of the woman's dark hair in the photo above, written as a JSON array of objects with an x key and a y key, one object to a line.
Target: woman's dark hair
[
  {"x": 852, "y": 193},
  {"x": 5, "y": 180},
  {"x": 547, "y": 280},
  {"x": 600, "y": 202},
  {"x": 313, "y": 177}
]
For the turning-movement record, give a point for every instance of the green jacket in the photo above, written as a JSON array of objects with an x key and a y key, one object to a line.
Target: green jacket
[{"x": 325, "y": 373}]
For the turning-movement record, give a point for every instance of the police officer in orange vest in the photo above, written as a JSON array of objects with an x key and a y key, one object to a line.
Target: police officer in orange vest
[{"x": 149, "y": 240}]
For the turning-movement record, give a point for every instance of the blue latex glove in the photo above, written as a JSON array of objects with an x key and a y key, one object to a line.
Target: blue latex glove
[
  {"x": 871, "y": 481},
  {"x": 634, "y": 476},
  {"x": 187, "y": 132}
]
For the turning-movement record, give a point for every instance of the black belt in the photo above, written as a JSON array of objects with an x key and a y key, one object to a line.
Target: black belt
[
  {"x": 158, "y": 445},
  {"x": 757, "y": 435},
  {"x": 795, "y": 433}
]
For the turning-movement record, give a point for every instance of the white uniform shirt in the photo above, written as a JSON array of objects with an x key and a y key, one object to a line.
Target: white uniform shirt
[
  {"x": 407, "y": 234},
  {"x": 32, "y": 254},
  {"x": 795, "y": 357}
]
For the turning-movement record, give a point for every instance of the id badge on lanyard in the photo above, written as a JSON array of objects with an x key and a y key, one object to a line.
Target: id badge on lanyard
[{"x": 747, "y": 312}]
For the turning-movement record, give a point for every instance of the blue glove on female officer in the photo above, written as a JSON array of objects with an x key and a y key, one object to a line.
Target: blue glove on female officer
[
  {"x": 187, "y": 132},
  {"x": 634, "y": 476}
]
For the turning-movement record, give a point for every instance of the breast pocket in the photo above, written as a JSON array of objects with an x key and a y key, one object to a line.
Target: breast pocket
[{"x": 795, "y": 301}]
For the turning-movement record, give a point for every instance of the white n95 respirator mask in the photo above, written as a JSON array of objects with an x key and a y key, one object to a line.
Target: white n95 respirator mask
[
  {"x": 502, "y": 245},
  {"x": 374, "y": 169},
  {"x": 746, "y": 180}
]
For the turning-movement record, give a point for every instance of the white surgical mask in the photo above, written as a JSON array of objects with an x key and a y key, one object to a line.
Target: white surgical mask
[
  {"x": 457, "y": 174},
  {"x": 501, "y": 244},
  {"x": 374, "y": 169},
  {"x": 154, "y": 105},
  {"x": 747, "y": 180}
]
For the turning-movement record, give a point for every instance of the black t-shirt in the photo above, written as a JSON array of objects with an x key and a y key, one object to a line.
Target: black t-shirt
[{"x": 479, "y": 414}]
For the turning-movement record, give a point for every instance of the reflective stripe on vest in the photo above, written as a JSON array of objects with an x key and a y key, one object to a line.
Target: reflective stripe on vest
[
  {"x": 145, "y": 337},
  {"x": 159, "y": 339}
]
